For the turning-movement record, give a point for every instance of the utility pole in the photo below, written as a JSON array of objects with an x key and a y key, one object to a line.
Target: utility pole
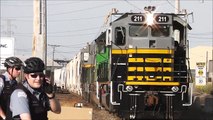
[
  {"x": 177, "y": 6},
  {"x": 53, "y": 46},
  {"x": 39, "y": 48},
  {"x": 53, "y": 57},
  {"x": 212, "y": 57}
]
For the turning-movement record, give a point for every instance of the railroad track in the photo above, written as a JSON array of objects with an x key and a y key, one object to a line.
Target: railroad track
[{"x": 195, "y": 112}]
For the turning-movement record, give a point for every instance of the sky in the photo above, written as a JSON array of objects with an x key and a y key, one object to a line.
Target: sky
[{"x": 71, "y": 24}]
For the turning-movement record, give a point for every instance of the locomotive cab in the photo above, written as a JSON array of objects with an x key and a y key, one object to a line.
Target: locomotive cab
[
  {"x": 138, "y": 67},
  {"x": 141, "y": 66},
  {"x": 149, "y": 63}
]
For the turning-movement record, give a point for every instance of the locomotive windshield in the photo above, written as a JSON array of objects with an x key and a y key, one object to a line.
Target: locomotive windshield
[
  {"x": 138, "y": 30},
  {"x": 120, "y": 35},
  {"x": 160, "y": 31}
]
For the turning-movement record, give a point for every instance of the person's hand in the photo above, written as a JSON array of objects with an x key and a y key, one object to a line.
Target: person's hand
[{"x": 48, "y": 88}]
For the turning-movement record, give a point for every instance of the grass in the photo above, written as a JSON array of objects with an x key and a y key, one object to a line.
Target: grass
[{"x": 204, "y": 89}]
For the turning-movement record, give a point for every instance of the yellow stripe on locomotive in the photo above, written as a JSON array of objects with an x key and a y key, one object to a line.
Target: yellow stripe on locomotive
[
  {"x": 151, "y": 60},
  {"x": 149, "y": 78},
  {"x": 142, "y": 51},
  {"x": 154, "y": 83},
  {"x": 150, "y": 69},
  {"x": 141, "y": 69}
]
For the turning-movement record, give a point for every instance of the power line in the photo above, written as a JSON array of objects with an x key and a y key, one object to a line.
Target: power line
[
  {"x": 59, "y": 20},
  {"x": 77, "y": 19},
  {"x": 201, "y": 37},
  {"x": 172, "y": 5},
  {"x": 68, "y": 12},
  {"x": 132, "y": 5},
  {"x": 17, "y": 5},
  {"x": 71, "y": 35},
  {"x": 80, "y": 10},
  {"x": 64, "y": 3},
  {"x": 84, "y": 29},
  {"x": 204, "y": 33},
  {"x": 55, "y": 32},
  {"x": 31, "y": 4}
]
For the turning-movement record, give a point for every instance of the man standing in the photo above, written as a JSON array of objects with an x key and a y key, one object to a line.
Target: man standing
[
  {"x": 8, "y": 83},
  {"x": 32, "y": 99}
]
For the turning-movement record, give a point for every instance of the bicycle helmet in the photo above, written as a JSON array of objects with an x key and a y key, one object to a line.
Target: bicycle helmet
[
  {"x": 33, "y": 64},
  {"x": 12, "y": 62}
]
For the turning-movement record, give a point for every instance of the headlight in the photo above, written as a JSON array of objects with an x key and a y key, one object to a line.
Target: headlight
[
  {"x": 149, "y": 18},
  {"x": 175, "y": 89},
  {"x": 129, "y": 88}
]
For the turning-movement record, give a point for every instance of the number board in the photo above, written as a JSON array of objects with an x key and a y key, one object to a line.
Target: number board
[
  {"x": 161, "y": 18},
  {"x": 158, "y": 18},
  {"x": 138, "y": 18}
]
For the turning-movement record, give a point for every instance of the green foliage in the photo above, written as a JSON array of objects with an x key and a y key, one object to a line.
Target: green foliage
[{"x": 204, "y": 89}]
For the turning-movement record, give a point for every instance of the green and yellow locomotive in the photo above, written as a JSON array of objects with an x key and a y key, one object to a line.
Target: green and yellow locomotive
[{"x": 139, "y": 66}]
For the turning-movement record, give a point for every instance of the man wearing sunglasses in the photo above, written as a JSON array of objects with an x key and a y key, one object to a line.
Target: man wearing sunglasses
[
  {"x": 32, "y": 99},
  {"x": 8, "y": 82}
]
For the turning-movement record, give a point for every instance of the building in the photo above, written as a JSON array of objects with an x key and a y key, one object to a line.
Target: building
[
  {"x": 6, "y": 49},
  {"x": 201, "y": 54}
]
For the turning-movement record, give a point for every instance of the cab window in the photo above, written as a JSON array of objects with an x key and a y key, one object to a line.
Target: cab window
[
  {"x": 160, "y": 31},
  {"x": 138, "y": 30},
  {"x": 120, "y": 35}
]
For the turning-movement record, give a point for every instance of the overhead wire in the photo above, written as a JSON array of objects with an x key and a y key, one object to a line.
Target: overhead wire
[
  {"x": 24, "y": 34},
  {"x": 76, "y": 19},
  {"x": 68, "y": 12},
  {"x": 172, "y": 5},
  {"x": 60, "y": 20},
  {"x": 80, "y": 10},
  {"x": 72, "y": 35},
  {"x": 31, "y": 4},
  {"x": 64, "y": 3},
  {"x": 133, "y": 5},
  {"x": 200, "y": 37},
  {"x": 205, "y": 33},
  {"x": 77, "y": 30}
]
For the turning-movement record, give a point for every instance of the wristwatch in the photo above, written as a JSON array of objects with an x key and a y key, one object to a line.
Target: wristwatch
[{"x": 52, "y": 96}]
